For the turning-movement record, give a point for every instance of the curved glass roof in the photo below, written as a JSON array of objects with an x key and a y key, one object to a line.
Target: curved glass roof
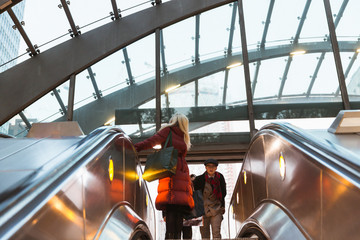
[{"x": 194, "y": 52}]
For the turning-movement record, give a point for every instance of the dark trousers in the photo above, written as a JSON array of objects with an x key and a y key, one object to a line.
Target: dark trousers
[
  {"x": 174, "y": 222},
  {"x": 187, "y": 232}
]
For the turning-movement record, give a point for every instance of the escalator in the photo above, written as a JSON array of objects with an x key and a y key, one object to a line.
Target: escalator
[
  {"x": 298, "y": 184},
  {"x": 81, "y": 187}
]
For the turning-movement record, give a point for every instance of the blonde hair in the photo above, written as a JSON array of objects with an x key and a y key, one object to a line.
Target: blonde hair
[{"x": 183, "y": 122}]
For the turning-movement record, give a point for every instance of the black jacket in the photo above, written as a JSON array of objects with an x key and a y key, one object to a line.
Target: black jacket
[{"x": 199, "y": 184}]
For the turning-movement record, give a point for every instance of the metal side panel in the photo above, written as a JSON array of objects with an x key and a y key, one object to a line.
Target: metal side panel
[
  {"x": 74, "y": 198},
  {"x": 9, "y": 146},
  {"x": 274, "y": 221},
  {"x": 123, "y": 223},
  {"x": 101, "y": 193},
  {"x": 340, "y": 208},
  {"x": 258, "y": 169},
  {"x": 311, "y": 180},
  {"x": 300, "y": 190},
  {"x": 247, "y": 190},
  {"x": 131, "y": 179},
  {"x": 25, "y": 161},
  {"x": 60, "y": 218},
  {"x": 31, "y": 153}
]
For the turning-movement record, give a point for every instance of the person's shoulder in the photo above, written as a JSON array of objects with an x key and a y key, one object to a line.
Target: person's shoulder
[
  {"x": 164, "y": 131},
  {"x": 221, "y": 175},
  {"x": 202, "y": 176}
]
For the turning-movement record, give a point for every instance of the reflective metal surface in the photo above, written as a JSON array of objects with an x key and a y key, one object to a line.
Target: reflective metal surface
[
  {"x": 318, "y": 195},
  {"x": 270, "y": 216},
  {"x": 123, "y": 215},
  {"x": 63, "y": 188}
]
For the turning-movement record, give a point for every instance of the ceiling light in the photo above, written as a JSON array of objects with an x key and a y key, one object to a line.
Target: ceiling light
[
  {"x": 172, "y": 88},
  {"x": 234, "y": 65},
  {"x": 110, "y": 121},
  {"x": 358, "y": 50},
  {"x": 296, "y": 53}
]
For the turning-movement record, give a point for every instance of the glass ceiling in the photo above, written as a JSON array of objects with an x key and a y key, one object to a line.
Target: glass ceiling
[{"x": 192, "y": 54}]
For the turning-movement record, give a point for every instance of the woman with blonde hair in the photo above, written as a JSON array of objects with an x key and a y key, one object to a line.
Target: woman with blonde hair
[{"x": 175, "y": 192}]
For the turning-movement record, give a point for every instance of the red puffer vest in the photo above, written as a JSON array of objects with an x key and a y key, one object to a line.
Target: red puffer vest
[{"x": 177, "y": 188}]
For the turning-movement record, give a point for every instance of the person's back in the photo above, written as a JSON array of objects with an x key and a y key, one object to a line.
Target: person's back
[{"x": 175, "y": 192}]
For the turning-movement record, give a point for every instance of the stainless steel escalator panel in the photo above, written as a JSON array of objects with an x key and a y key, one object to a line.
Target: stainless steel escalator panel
[
  {"x": 101, "y": 194},
  {"x": 319, "y": 192},
  {"x": 26, "y": 162},
  {"x": 301, "y": 188},
  {"x": 346, "y": 144},
  {"x": 60, "y": 218},
  {"x": 48, "y": 147},
  {"x": 340, "y": 208},
  {"x": 278, "y": 225},
  {"x": 12, "y": 145},
  {"x": 71, "y": 195}
]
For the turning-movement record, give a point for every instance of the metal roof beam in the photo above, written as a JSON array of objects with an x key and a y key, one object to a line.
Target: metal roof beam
[
  {"x": 321, "y": 58},
  {"x": 232, "y": 29},
  {"x": 314, "y": 76},
  {"x": 217, "y": 113},
  {"x": 137, "y": 94},
  {"x": 302, "y": 20},
  {"x": 18, "y": 25},
  {"x": 157, "y": 81},
  {"x": 341, "y": 12},
  {"x": 197, "y": 55},
  {"x": 229, "y": 49},
  {"x": 336, "y": 52},
  {"x": 295, "y": 42},
  {"x": 197, "y": 39},
  {"x": 116, "y": 11},
  {"x": 225, "y": 86},
  {"x": 98, "y": 93},
  {"x": 25, "y": 120},
  {"x": 52, "y": 73},
  {"x": 7, "y": 4},
  {"x": 130, "y": 80},
  {"x": 71, "y": 97},
  {"x": 262, "y": 44},
  {"x": 351, "y": 63},
  {"x": 74, "y": 30},
  {"x": 162, "y": 52},
  {"x": 55, "y": 66},
  {"x": 267, "y": 23},
  {"x": 61, "y": 103},
  {"x": 245, "y": 57}
]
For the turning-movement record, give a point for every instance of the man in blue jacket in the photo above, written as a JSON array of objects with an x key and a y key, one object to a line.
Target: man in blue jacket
[{"x": 213, "y": 186}]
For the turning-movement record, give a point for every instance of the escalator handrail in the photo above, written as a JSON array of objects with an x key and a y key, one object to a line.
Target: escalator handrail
[
  {"x": 35, "y": 195},
  {"x": 339, "y": 162}
]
